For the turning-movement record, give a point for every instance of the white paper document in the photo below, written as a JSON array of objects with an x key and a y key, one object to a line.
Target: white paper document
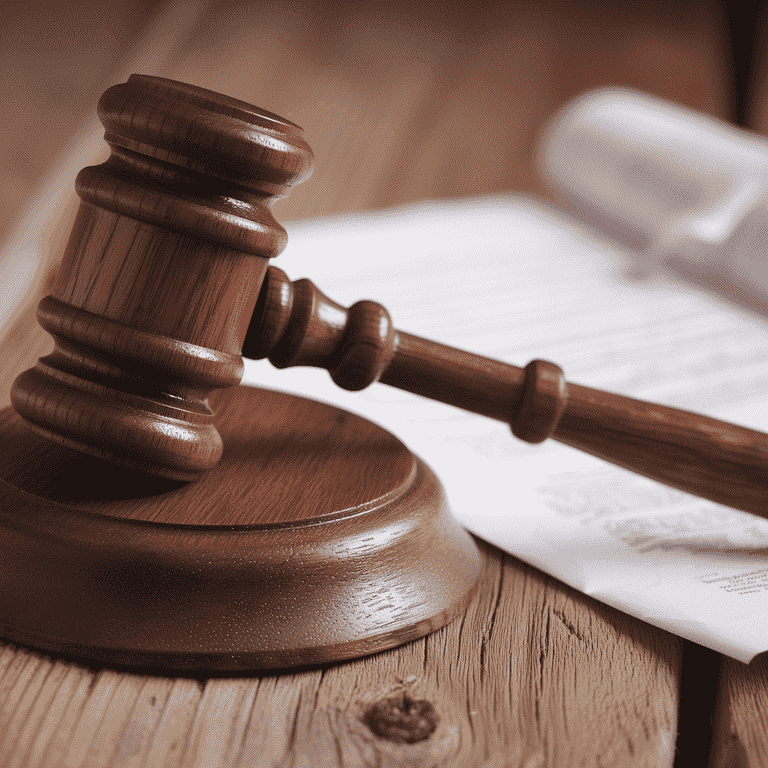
[{"x": 507, "y": 278}]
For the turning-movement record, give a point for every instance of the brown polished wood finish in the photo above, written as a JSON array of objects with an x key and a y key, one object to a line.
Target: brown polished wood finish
[
  {"x": 317, "y": 537},
  {"x": 164, "y": 283},
  {"x": 160, "y": 275},
  {"x": 296, "y": 324},
  {"x": 412, "y": 101}
]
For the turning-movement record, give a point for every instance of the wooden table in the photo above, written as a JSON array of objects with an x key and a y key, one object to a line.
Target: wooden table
[{"x": 400, "y": 103}]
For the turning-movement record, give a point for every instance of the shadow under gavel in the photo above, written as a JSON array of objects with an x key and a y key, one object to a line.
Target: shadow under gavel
[{"x": 165, "y": 279}]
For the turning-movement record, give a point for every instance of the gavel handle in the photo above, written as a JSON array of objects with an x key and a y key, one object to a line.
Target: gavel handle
[{"x": 295, "y": 324}]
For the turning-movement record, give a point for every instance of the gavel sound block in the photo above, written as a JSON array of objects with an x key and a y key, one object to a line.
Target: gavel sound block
[{"x": 308, "y": 534}]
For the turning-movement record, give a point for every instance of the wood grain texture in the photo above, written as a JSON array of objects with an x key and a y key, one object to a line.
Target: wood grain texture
[
  {"x": 514, "y": 682},
  {"x": 48, "y": 209},
  {"x": 160, "y": 275},
  {"x": 739, "y": 721},
  {"x": 318, "y": 537},
  {"x": 391, "y": 100},
  {"x": 274, "y": 443}
]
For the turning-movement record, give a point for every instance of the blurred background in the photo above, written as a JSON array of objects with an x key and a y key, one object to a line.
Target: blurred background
[{"x": 400, "y": 101}]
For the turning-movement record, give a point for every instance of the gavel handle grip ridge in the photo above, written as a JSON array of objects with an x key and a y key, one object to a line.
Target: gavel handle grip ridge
[{"x": 295, "y": 324}]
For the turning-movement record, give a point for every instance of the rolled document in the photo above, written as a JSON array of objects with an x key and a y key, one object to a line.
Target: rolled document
[{"x": 675, "y": 187}]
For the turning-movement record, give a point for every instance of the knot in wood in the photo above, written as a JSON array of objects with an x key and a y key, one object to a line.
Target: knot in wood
[
  {"x": 366, "y": 348},
  {"x": 542, "y": 403},
  {"x": 401, "y": 719}
]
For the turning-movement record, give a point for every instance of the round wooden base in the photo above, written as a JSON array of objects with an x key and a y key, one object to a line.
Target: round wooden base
[{"x": 318, "y": 537}]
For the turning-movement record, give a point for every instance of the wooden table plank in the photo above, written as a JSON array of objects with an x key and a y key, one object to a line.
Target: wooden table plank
[{"x": 741, "y": 716}]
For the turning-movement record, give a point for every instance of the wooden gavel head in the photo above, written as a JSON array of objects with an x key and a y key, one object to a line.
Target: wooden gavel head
[{"x": 161, "y": 275}]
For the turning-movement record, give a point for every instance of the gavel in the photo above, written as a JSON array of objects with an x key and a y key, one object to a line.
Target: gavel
[{"x": 165, "y": 285}]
